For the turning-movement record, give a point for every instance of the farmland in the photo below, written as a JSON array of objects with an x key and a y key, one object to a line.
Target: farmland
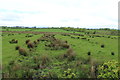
[{"x": 57, "y": 52}]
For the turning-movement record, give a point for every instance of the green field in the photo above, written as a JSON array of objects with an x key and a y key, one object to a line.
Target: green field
[
  {"x": 80, "y": 51},
  {"x": 41, "y": 30}
]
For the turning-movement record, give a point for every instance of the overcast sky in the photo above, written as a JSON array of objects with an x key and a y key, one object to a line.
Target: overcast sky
[{"x": 52, "y": 13}]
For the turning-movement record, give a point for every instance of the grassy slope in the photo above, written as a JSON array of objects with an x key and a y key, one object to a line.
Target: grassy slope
[
  {"x": 40, "y": 30},
  {"x": 81, "y": 47},
  {"x": 8, "y": 50}
]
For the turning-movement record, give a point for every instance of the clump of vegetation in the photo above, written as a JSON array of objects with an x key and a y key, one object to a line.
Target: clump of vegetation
[
  {"x": 89, "y": 53},
  {"x": 30, "y": 45},
  {"x": 28, "y": 35},
  {"x": 64, "y": 45},
  {"x": 23, "y": 52},
  {"x": 16, "y": 67},
  {"x": 57, "y": 44},
  {"x": 27, "y": 41},
  {"x": 108, "y": 36},
  {"x": 11, "y": 62},
  {"x": 35, "y": 42},
  {"x": 35, "y": 58},
  {"x": 84, "y": 38},
  {"x": 69, "y": 74},
  {"x": 17, "y": 47},
  {"x": 70, "y": 54},
  {"x": 108, "y": 70},
  {"x": 13, "y": 41},
  {"x": 112, "y": 53},
  {"x": 38, "y": 40},
  {"x": 45, "y": 59},
  {"x": 38, "y": 64},
  {"x": 102, "y": 46}
]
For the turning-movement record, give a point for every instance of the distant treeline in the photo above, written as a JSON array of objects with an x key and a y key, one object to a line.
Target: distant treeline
[{"x": 70, "y": 28}]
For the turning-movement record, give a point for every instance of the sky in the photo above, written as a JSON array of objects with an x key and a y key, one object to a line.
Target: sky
[{"x": 60, "y": 13}]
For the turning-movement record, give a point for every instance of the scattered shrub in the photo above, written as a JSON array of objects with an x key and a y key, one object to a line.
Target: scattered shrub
[
  {"x": 66, "y": 42},
  {"x": 83, "y": 38},
  {"x": 108, "y": 36},
  {"x": 35, "y": 58},
  {"x": 98, "y": 36},
  {"x": 70, "y": 54},
  {"x": 35, "y": 42},
  {"x": 30, "y": 45},
  {"x": 11, "y": 62},
  {"x": 23, "y": 52},
  {"x": 29, "y": 36},
  {"x": 17, "y": 47},
  {"x": 64, "y": 45},
  {"x": 27, "y": 41},
  {"x": 16, "y": 41},
  {"x": 89, "y": 53},
  {"x": 38, "y": 40},
  {"x": 16, "y": 67},
  {"x": 78, "y": 63},
  {"x": 102, "y": 46},
  {"x": 112, "y": 53},
  {"x": 57, "y": 44},
  {"x": 13, "y": 41},
  {"x": 94, "y": 32},
  {"x": 78, "y": 37},
  {"x": 45, "y": 59}
]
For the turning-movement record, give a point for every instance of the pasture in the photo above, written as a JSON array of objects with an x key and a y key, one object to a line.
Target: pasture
[{"x": 58, "y": 53}]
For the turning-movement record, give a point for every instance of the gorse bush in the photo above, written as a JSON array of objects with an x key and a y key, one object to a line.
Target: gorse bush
[{"x": 108, "y": 70}]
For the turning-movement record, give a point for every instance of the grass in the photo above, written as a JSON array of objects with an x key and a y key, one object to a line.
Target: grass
[
  {"x": 40, "y": 30},
  {"x": 8, "y": 50},
  {"x": 81, "y": 49}
]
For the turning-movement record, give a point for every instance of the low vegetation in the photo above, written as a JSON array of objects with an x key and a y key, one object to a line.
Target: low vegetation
[{"x": 59, "y": 53}]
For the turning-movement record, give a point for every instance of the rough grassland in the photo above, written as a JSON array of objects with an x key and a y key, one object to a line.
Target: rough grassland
[{"x": 80, "y": 46}]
